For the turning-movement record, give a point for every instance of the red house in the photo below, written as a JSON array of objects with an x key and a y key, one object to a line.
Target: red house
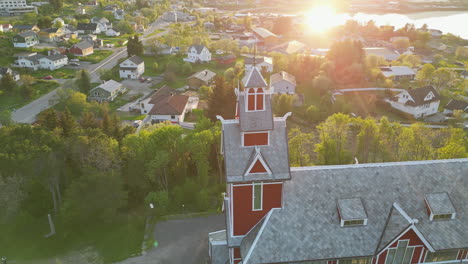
[
  {"x": 84, "y": 48},
  {"x": 228, "y": 59},
  {"x": 381, "y": 213}
]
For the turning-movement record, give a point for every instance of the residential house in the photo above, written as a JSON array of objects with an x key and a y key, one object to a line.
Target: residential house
[
  {"x": 6, "y": 70},
  {"x": 265, "y": 36},
  {"x": 50, "y": 34},
  {"x": 6, "y": 27},
  {"x": 380, "y": 213},
  {"x": 25, "y": 39},
  {"x": 58, "y": 20},
  {"x": 53, "y": 62},
  {"x": 102, "y": 22},
  {"x": 60, "y": 50},
  {"x": 200, "y": 78},
  {"x": 165, "y": 105},
  {"x": 418, "y": 102},
  {"x": 227, "y": 59},
  {"x": 398, "y": 38},
  {"x": 464, "y": 74},
  {"x": 111, "y": 8},
  {"x": 435, "y": 33},
  {"x": 454, "y": 105},
  {"x": 246, "y": 39},
  {"x": 291, "y": 47},
  {"x": 283, "y": 83},
  {"x": 175, "y": 16},
  {"x": 259, "y": 62},
  {"x": 83, "y": 48},
  {"x": 15, "y": 7},
  {"x": 107, "y": 91},
  {"x": 90, "y": 38},
  {"x": 398, "y": 73},
  {"x": 80, "y": 10},
  {"x": 388, "y": 54},
  {"x": 119, "y": 14},
  {"x": 24, "y": 28},
  {"x": 132, "y": 68},
  {"x": 198, "y": 53},
  {"x": 111, "y": 32},
  {"x": 209, "y": 25},
  {"x": 88, "y": 28}
]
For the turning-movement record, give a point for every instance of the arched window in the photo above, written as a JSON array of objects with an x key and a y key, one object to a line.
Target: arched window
[{"x": 255, "y": 99}]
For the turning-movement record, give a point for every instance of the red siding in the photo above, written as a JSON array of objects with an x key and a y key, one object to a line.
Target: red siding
[
  {"x": 237, "y": 253},
  {"x": 243, "y": 216},
  {"x": 412, "y": 236},
  {"x": 256, "y": 139},
  {"x": 258, "y": 167},
  {"x": 237, "y": 261},
  {"x": 383, "y": 257},
  {"x": 416, "y": 254},
  {"x": 374, "y": 260},
  {"x": 76, "y": 50}
]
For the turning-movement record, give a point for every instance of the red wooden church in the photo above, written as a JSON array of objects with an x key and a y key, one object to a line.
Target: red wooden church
[{"x": 381, "y": 213}]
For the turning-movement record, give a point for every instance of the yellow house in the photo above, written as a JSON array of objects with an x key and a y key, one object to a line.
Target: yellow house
[{"x": 50, "y": 34}]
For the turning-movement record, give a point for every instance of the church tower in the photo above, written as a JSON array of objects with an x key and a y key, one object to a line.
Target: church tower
[{"x": 255, "y": 150}]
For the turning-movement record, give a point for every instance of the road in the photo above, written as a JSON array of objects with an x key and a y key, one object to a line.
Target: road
[
  {"x": 181, "y": 241},
  {"x": 28, "y": 113}
]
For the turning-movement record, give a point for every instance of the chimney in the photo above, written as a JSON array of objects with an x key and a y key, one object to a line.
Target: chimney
[{"x": 206, "y": 73}]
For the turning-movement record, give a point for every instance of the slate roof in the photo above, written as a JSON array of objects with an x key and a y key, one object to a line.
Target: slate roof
[
  {"x": 440, "y": 203},
  {"x": 205, "y": 75},
  {"x": 290, "y": 47},
  {"x": 166, "y": 102},
  {"x": 83, "y": 45},
  {"x": 87, "y": 26},
  {"x": 396, "y": 224},
  {"x": 135, "y": 59},
  {"x": 237, "y": 157},
  {"x": 27, "y": 34},
  {"x": 250, "y": 60},
  {"x": 419, "y": 94},
  {"x": 50, "y": 30},
  {"x": 307, "y": 228},
  {"x": 263, "y": 32},
  {"x": 254, "y": 78},
  {"x": 56, "y": 57},
  {"x": 351, "y": 209},
  {"x": 6, "y": 70},
  {"x": 282, "y": 76},
  {"x": 397, "y": 71},
  {"x": 219, "y": 249},
  {"x": 198, "y": 48},
  {"x": 457, "y": 105},
  {"x": 383, "y": 52},
  {"x": 110, "y": 86}
]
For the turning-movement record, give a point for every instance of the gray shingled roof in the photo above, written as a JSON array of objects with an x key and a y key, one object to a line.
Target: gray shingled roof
[
  {"x": 254, "y": 78},
  {"x": 198, "y": 48},
  {"x": 351, "y": 209},
  {"x": 396, "y": 224},
  {"x": 87, "y": 26},
  {"x": 282, "y": 76},
  {"x": 457, "y": 105},
  {"x": 307, "y": 228},
  {"x": 237, "y": 157},
  {"x": 255, "y": 120},
  {"x": 83, "y": 45},
  {"x": 205, "y": 75},
  {"x": 440, "y": 203},
  {"x": 419, "y": 94},
  {"x": 27, "y": 34},
  {"x": 135, "y": 59}
]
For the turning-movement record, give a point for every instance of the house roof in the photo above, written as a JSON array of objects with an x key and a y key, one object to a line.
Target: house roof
[
  {"x": 307, "y": 228},
  {"x": 56, "y": 57},
  {"x": 99, "y": 20},
  {"x": 83, "y": 45},
  {"x": 50, "y": 30},
  {"x": 254, "y": 79},
  {"x": 397, "y": 71},
  {"x": 27, "y": 34},
  {"x": 135, "y": 59},
  {"x": 166, "y": 102},
  {"x": 250, "y": 60},
  {"x": 205, "y": 75},
  {"x": 457, "y": 105},
  {"x": 351, "y": 209},
  {"x": 282, "y": 76},
  {"x": 24, "y": 27},
  {"x": 5, "y": 70},
  {"x": 383, "y": 52},
  {"x": 419, "y": 94},
  {"x": 198, "y": 48},
  {"x": 86, "y": 26},
  {"x": 290, "y": 47},
  {"x": 110, "y": 86},
  {"x": 440, "y": 203},
  {"x": 263, "y": 32}
]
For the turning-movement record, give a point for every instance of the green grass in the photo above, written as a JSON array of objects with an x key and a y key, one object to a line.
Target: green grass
[
  {"x": 154, "y": 33},
  {"x": 16, "y": 100},
  {"x": 97, "y": 56},
  {"x": 62, "y": 73},
  {"x": 130, "y": 116},
  {"x": 118, "y": 102},
  {"x": 117, "y": 240}
]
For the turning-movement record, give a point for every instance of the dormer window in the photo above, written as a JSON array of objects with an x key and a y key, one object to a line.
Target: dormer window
[
  {"x": 351, "y": 212},
  {"x": 439, "y": 206},
  {"x": 255, "y": 99}
]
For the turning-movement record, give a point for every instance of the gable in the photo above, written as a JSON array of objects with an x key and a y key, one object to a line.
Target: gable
[
  {"x": 258, "y": 165},
  {"x": 429, "y": 96}
]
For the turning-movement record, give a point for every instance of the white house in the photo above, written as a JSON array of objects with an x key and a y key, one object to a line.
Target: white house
[
  {"x": 53, "y": 62},
  {"x": 165, "y": 105},
  {"x": 418, "y": 102},
  {"x": 102, "y": 23},
  {"x": 198, "y": 53},
  {"x": 119, "y": 14},
  {"x": 398, "y": 72},
  {"x": 25, "y": 39},
  {"x": 283, "y": 83},
  {"x": 6, "y": 70},
  {"x": 132, "y": 68},
  {"x": 112, "y": 32},
  {"x": 260, "y": 63}
]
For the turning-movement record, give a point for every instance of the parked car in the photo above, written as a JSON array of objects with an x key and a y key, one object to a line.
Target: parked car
[
  {"x": 48, "y": 77},
  {"x": 142, "y": 79},
  {"x": 137, "y": 123},
  {"x": 149, "y": 80},
  {"x": 74, "y": 64},
  {"x": 74, "y": 60}
]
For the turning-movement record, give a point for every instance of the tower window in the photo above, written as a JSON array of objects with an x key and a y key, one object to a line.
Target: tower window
[
  {"x": 255, "y": 99},
  {"x": 257, "y": 199},
  {"x": 255, "y": 139}
]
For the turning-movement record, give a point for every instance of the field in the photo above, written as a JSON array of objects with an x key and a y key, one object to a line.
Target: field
[
  {"x": 16, "y": 100},
  {"x": 97, "y": 56}
]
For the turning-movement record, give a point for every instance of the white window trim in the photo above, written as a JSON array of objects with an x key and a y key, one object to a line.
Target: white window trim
[
  {"x": 257, "y": 132},
  {"x": 261, "y": 196},
  {"x": 408, "y": 246},
  {"x": 258, "y": 157},
  {"x": 342, "y": 222},
  {"x": 255, "y": 96},
  {"x": 448, "y": 261}
]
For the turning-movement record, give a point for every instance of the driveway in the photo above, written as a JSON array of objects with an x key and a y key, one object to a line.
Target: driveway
[
  {"x": 28, "y": 113},
  {"x": 181, "y": 241}
]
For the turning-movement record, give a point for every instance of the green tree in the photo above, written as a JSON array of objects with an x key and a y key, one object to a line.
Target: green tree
[
  {"x": 367, "y": 141},
  {"x": 313, "y": 114},
  {"x": 282, "y": 104},
  {"x": 425, "y": 74},
  {"x": 5, "y": 118},
  {"x": 415, "y": 143},
  {"x": 454, "y": 146},
  {"x": 7, "y": 83},
  {"x": 46, "y": 21},
  {"x": 222, "y": 101},
  {"x": 300, "y": 146},
  {"x": 401, "y": 43},
  {"x": 204, "y": 92},
  {"x": 56, "y": 4},
  {"x": 333, "y": 140},
  {"x": 134, "y": 46},
  {"x": 49, "y": 119},
  {"x": 11, "y": 196},
  {"x": 67, "y": 122},
  {"x": 84, "y": 82},
  {"x": 155, "y": 66},
  {"x": 441, "y": 78}
]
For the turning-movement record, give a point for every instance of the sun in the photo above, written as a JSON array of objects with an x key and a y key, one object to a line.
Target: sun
[{"x": 322, "y": 18}]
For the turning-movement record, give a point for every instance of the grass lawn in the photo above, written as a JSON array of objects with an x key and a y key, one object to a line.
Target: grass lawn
[
  {"x": 16, "y": 100},
  {"x": 118, "y": 102},
  {"x": 97, "y": 56},
  {"x": 130, "y": 116},
  {"x": 157, "y": 31},
  {"x": 117, "y": 240},
  {"x": 62, "y": 73}
]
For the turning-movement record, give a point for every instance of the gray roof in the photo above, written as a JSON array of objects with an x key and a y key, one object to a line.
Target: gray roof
[
  {"x": 263, "y": 32},
  {"x": 238, "y": 158},
  {"x": 110, "y": 86},
  {"x": 135, "y": 59},
  {"x": 27, "y": 34},
  {"x": 255, "y": 120},
  {"x": 457, "y": 105},
  {"x": 56, "y": 57},
  {"x": 87, "y": 26},
  {"x": 205, "y": 75},
  {"x": 307, "y": 228},
  {"x": 351, "y": 209},
  {"x": 254, "y": 78},
  {"x": 282, "y": 76},
  {"x": 83, "y": 45},
  {"x": 198, "y": 48},
  {"x": 419, "y": 94},
  {"x": 440, "y": 203},
  {"x": 396, "y": 224}
]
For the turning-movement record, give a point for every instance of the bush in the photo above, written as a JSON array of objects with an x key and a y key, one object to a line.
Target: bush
[
  {"x": 155, "y": 66},
  {"x": 313, "y": 114}
]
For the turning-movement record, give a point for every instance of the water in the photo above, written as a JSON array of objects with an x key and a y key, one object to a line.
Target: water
[{"x": 455, "y": 22}]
